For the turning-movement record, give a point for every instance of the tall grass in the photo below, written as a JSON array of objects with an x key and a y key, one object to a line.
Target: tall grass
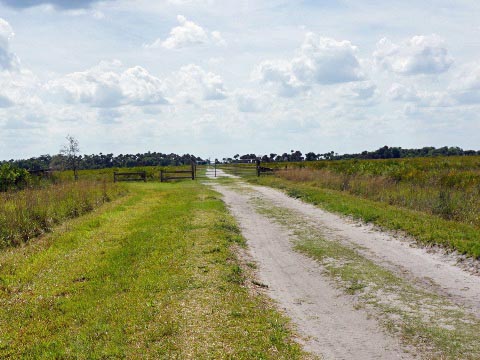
[
  {"x": 28, "y": 213},
  {"x": 448, "y": 188}
]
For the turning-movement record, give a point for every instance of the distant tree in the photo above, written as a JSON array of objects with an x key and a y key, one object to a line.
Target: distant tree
[
  {"x": 57, "y": 162},
  {"x": 71, "y": 151},
  {"x": 296, "y": 156},
  {"x": 311, "y": 156}
]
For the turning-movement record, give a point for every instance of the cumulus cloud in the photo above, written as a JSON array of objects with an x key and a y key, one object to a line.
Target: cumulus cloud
[
  {"x": 248, "y": 102},
  {"x": 400, "y": 92},
  {"x": 359, "y": 91},
  {"x": 8, "y": 60},
  {"x": 5, "y": 101},
  {"x": 191, "y": 84},
  {"x": 20, "y": 87},
  {"x": 326, "y": 61},
  {"x": 109, "y": 85},
  {"x": 320, "y": 60},
  {"x": 280, "y": 73},
  {"x": 187, "y": 34},
  {"x": 418, "y": 55},
  {"x": 425, "y": 98},
  {"x": 466, "y": 84},
  {"x": 62, "y": 4}
]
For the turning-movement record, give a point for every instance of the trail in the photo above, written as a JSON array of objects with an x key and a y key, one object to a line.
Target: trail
[
  {"x": 324, "y": 317},
  {"x": 429, "y": 270},
  {"x": 328, "y": 319}
]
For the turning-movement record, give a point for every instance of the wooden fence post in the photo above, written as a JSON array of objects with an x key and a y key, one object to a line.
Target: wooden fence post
[
  {"x": 114, "y": 177},
  {"x": 161, "y": 176},
  {"x": 258, "y": 167},
  {"x": 193, "y": 170},
  {"x": 215, "y": 169}
]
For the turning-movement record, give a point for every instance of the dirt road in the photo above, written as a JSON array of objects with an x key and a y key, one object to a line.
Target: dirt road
[{"x": 427, "y": 290}]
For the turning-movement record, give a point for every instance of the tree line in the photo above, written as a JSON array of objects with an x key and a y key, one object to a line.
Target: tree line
[
  {"x": 384, "y": 152},
  {"x": 102, "y": 161}
]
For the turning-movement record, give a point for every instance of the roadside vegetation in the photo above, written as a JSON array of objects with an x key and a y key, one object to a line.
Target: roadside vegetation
[
  {"x": 32, "y": 204},
  {"x": 150, "y": 275},
  {"x": 27, "y": 213},
  {"x": 12, "y": 178},
  {"x": 436, "y": 200}
]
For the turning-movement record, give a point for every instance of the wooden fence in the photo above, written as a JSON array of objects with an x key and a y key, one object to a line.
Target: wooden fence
[
  {"x": 245, "y": 167},
  {"x": 166, "y": 175},
  {"x": 130, "y": 176},
  {"x": 42, "y": 173}
]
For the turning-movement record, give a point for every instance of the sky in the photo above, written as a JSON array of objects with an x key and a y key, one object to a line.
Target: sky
[{"x": 221, "y": 77}]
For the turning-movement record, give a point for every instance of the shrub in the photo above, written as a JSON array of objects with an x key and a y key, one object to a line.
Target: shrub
[{"x": 12, "y": 177}]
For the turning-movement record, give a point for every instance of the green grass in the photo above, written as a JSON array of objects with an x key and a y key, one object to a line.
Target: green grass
[
  {"x": 151, "y": 275},
  {"x": 425, "y": 228}
]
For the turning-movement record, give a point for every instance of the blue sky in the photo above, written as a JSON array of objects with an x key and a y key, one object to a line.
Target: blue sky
[{"x": 216, "y": 78}]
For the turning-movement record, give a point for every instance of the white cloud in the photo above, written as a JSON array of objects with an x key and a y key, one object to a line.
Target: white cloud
[
  {"x": 280, "y": 73},
  {"x": 418, "y": 55},
  {"x": 110, "y": 85},
  {"x": 62, "y": 4},
  {"x": 248, "y": 102},
  {"x": 359, "y": 91},
  {"x": 466, "y": 84},
  {"x": 191, "y": 84},
  {"x": 5, "y": 101},
  {"x": 326, "y": 61},
  {"x": 187, "y": 34},
  {"x": 320, "y": 60},
  {"x": 400, "y": 92},
  {"x": 8, "y": 60},
  {"x": 20, "y": 87}
]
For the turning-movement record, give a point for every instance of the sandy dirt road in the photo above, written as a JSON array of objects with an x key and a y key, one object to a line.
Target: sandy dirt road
[{"x": 329, "y": 321}]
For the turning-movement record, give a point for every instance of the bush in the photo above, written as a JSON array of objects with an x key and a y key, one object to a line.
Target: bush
[{"x": 12, "y": 177}]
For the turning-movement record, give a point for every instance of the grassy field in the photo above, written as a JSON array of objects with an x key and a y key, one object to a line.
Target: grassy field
[
  {"x": 149, "y": 275},
  {"x": 436, "y": 200}
]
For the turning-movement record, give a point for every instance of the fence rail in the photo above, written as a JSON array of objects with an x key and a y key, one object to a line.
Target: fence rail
[
  {"x": 165, "y": 174},
  {"x": 130, "y": 176}
]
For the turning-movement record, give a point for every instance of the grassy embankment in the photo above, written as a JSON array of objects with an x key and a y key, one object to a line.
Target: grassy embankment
[
  {"x": 150, "y": 275},
  {"x": 25, "y": 214},
  {"x": 435, "y": 200}
]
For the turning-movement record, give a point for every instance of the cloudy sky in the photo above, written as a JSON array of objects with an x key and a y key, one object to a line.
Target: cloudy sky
[{"x": 219, "y": 77}]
